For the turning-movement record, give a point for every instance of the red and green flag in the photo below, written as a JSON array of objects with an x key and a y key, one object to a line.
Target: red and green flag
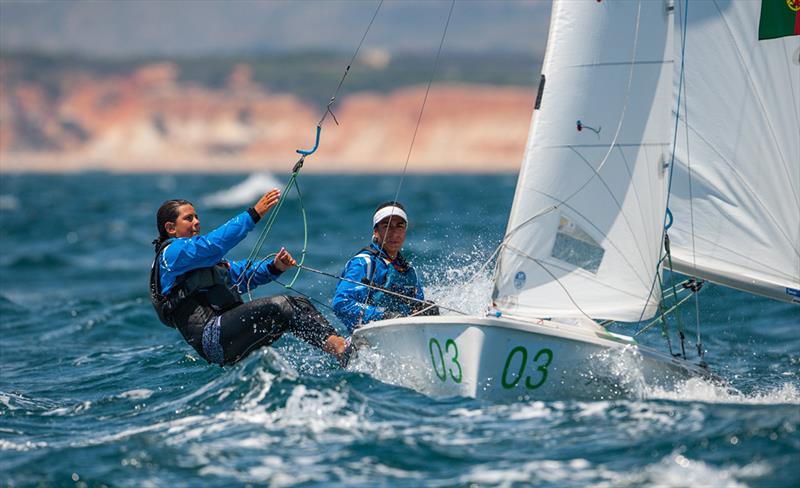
[{"x": 779, "y": 18}]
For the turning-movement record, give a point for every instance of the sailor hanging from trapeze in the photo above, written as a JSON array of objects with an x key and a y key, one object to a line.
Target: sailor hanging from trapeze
[{"x": 194, "y": 289}]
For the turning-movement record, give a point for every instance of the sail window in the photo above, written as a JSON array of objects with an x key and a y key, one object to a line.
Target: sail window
[{"x": 574, "y": 246}]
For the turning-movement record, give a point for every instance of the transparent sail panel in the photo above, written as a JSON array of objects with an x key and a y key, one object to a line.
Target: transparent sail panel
[{"x": 574, "y": 246}]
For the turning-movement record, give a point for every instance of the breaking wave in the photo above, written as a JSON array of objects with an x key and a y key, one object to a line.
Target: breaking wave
[{"x": 244, "y": 193}]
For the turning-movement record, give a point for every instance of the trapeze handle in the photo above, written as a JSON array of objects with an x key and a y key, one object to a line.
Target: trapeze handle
[{"x": 316, "y": 145}]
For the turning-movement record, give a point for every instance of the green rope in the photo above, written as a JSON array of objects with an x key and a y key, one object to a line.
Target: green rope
[
  {"x": 273, "y": 215},
  {"x": 662, "y": 319},
  {"x": 292, "y": 183},
  {"x": 678, "y": 317},
  {"x": 305, "y": 238},
  {"x": 646, "y": 327}
]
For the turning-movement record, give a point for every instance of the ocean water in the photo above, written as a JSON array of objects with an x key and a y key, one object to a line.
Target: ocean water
[{"x": 94, "y": 391}]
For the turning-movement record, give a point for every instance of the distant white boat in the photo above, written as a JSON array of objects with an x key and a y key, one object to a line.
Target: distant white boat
[
  {"x": 245, "y": 193},
  {"x": 584, "y": 241}
]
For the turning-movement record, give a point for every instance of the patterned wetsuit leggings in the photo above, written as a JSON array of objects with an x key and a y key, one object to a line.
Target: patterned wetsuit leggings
[{"x": 238, "y": 332}]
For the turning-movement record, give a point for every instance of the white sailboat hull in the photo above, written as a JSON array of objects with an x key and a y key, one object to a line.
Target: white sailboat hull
[{"x": 504, "y": 359}]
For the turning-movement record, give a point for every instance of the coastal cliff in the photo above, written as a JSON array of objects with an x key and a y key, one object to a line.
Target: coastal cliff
[{"x": 152, "y": 119}]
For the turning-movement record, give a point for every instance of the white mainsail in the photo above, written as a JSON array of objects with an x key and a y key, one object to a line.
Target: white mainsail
[
  {"x": 737, "y": 219},
  {"x": 585, "y": 231}
]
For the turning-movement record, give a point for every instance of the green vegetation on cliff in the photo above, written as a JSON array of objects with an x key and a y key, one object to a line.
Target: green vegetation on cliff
[{"x": 312, "y": 76}]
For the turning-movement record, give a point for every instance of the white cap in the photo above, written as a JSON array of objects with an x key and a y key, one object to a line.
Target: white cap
[{"x": 391, "y": 210}]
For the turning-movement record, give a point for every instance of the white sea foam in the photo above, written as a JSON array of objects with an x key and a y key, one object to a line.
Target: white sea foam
[
  {"x": 699, "y": 390},
  {"x": 674, "y": 470},
  {"x": 20, "y": 446},
  {"x": 467, "y": 288},
  {"x": 678, "y": 470},
  {"x": 9, "y": 202},
  {"x": 69, "y": 410},
  {"x": 140, "y": 394},
  {"x": 245, "y": 193}
]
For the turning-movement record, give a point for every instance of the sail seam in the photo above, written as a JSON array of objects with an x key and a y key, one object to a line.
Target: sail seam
[
  {"x": 760, "y": 101},
  {"x": 585, "y": 221},
  {"x": 619, "y": 63},
  {"x": 778, "y": 272},
  {"x": 744, "y": 183},
  {"x": 636, "y": 193},
  {"x": 619, "y": 207},
  {"x": 570, "y": 146},
  {"x": 561, "y": 267}
]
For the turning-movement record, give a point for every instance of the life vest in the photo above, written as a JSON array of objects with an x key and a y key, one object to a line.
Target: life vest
[
  {"x": 400, "y": 278},
  {"x": 196, "y": 295}
]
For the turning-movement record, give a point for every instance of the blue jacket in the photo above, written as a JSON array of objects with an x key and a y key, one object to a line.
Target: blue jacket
[
  {"x": 187, "y": 253},
  {"x": 354, "y": 303}
]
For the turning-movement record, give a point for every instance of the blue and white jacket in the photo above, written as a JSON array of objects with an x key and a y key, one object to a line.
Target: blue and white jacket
[
  {"x": 184, "y": 254},
  {"x": 355, "y": 303}
]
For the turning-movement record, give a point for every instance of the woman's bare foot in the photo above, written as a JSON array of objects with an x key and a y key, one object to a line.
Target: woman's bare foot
[{"x": 339, "y": 347}]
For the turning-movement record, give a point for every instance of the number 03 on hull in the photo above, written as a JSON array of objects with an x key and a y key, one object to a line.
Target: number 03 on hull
[{"x": 507, "y": 359}]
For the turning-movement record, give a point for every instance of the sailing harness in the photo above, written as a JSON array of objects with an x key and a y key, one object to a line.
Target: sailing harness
[{"x": 196, "y": 295}]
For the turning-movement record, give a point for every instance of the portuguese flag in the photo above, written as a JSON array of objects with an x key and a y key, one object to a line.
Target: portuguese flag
[{"x": 779, "y": 18}]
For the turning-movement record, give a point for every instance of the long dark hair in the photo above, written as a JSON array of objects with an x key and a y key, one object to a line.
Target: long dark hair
[{"x": 167, "y": 212}]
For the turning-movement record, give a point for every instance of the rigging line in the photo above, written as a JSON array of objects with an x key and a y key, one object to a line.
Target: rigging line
[
  {"x": 674, "y": 142},
  {"x": 483, "y": 266},
  {"x": 273, "y": 215},
  {"x": 267, "y": 227},
  {"x": 248, "y": 290},
  {"x": 554, "y": 278},
  {"x": 378, "y": 288},
  {"x": 698, "y": 342},
  {"x": 347, "y": 69},
  {"x": 305, "y": 233},
  {"x": 299, "y": 165},
  {"x": 678, "y": 317},
  {"x": 318, "y": 302},
  {"x": 425, "y": 98},
  {"x": 758, "y": 98},
  {"x": 619, "y": 207},
  {"x": 414, "y": 136},
  {"x": 664, "y": 324},
  {"x": 657, "y": 320}
]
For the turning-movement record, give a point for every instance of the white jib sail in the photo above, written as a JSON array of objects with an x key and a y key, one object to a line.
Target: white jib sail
[
  {"x": 584, "y": 235},
  {"x": 737, "y": 220}
]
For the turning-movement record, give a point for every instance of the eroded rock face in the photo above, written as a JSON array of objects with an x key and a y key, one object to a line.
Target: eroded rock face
[{"x": 151, "y": 121}]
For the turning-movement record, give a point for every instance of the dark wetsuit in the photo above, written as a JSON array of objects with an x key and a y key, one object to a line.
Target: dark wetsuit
[{"x": 226, "y": 331}]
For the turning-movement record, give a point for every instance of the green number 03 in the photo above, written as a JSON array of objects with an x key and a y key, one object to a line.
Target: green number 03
[
  {"x": 454, "y": 359},
  {"x": 542, "y": 368},
  {"x": 451, "y": 348}
]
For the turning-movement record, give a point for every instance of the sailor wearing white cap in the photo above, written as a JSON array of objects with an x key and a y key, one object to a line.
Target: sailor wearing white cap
[{"x": 380, "y": 265}]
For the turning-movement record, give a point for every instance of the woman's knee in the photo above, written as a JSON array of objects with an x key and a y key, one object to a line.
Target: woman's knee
[{"x": 274, "y": 306}]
